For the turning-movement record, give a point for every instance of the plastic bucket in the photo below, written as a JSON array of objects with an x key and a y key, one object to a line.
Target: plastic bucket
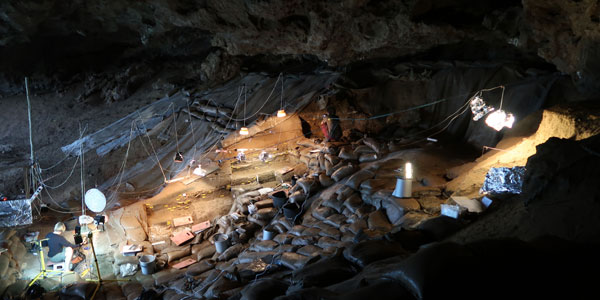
[
  {"x": 279, "y": 199},
  {"x": 291, "y": 210},
  {"x": 268, "y": 234},
  {"x": 147, "y": 264},
  {"x": 221, "y": 242}
]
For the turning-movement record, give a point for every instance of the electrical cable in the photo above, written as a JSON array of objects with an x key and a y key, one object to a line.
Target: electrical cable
[{"x": 263, "y": 105}]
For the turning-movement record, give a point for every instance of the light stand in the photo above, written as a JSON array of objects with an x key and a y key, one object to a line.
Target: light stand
[
  {"x": 43, "y": 272},
  {"x": 98, "y": 281}
]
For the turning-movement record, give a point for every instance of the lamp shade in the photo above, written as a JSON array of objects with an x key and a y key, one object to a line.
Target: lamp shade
[
  {"x": 244, "y": 131},
  {"x": 95, "y": 200},
  {"x": 281, "y": 113}
]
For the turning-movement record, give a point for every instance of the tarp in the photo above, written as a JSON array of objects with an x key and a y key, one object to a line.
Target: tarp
[
  {"x": 15, "y": 213},
  {"x": 262, "y": 98}
]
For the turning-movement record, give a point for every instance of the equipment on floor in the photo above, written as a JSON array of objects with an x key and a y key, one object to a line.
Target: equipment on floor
[{"x": 99, "y": 281}]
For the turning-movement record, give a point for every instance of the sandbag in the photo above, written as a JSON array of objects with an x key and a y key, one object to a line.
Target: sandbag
[
  {"x": 264, "y": 289},
  {"x": 374, "y": 184},
  {"x": 303, "y": 240},
  {"x": 4, "y": 260},
  {"x": 295, "y": 261},
  {"x": 249, "y": 256},
  {"x": 335, "y": 168},
  {"x": 367, "y": 252},
  {"x": 266, "y": 213},
  {"x": 325, "y": 180},
  {"x": 264, "y": 203},
  {"x": 322, "y": 273},
  {"x": 321, "y": 213},
  {"x": 335, "y": 220},
  {"x": 297, "y": 197},
  {"x": 362, "y": 149},
  {"x": 219, "y": 287},
  {"x": 357, "y": 226},
  {"x": 250, "y": 270},
  {"x": 378, "y": 221},
  {"x": 333, "y": 202},
  {"x": 347, "y": 154},
  {"x": 283, "y": 238},
  {"x": 368, "y": 157},
  {"x": 259, "y": 222},
  {"x": 263, "y": 246},
  {"x": 332, "y": 159},
  {"x": 434, "y": 271},
  {"x": 309, "y": 250},
  {"x": 312, "y": 231},
  {"x": 308, "y": 184},
  {"x": 331, "y": 232},
  {"x": 328, "y": 167},
  {"x": 167, "y": 275},
  {"x": 177, "y": 253},
  {"x": 343, "y": 192},
  {"x": 321, "y": 159},
  {"x": 395, "y": 208},
  {"x": 343, "y": 172},
  {"x": 206, "y": 252},
  {"x": 326, "y": 242},
  {"x": 353, "y": 203},
  {"x": 357, "y": 178},
  {"x": 376, "y": 146},
  {"x": 286, "y": 248},
  {"x": 297, "y": 230},
  {"x": 200, "y": 267},
  {"x": 231, "y": 252}
]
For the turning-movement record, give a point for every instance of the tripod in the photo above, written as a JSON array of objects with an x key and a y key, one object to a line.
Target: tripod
[
  {"x": 43, "y": 272},
  {"x": 98, "y": 281}
]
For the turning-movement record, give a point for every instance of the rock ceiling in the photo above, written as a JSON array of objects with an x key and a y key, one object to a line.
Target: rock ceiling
[{"x": 52, "y": 35}]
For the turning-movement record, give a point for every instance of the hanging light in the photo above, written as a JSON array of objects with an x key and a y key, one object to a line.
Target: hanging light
[
  {"x": 408, "y": 171},
  {"x": 500, "y": 119},
  {"x": 178, "y": 157},
  {"x": 479, "y": 108},
  {"x": 281, "y": 113},
  {"x": 244, "y": 129}
]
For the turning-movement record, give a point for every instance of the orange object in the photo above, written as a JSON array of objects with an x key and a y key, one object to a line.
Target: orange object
[
  {"x": 182, "y": 237},
  {"x": 184, "y": 263},
  {"x": 182, "y": 221},
  {"x": 200, "y": 226}
]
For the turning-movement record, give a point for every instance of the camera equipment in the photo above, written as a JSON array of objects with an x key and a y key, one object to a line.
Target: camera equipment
[{"x": 99, "y": 221}]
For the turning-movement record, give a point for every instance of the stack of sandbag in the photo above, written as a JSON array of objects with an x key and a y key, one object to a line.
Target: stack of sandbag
[{"x": 10, "y": 259}]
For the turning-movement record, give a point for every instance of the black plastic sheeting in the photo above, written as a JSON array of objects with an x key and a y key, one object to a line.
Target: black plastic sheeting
[{"x": 524, "y": 94}]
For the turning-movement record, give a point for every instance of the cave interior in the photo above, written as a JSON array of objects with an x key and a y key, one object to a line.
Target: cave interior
[{"x": 268, "y": 149}]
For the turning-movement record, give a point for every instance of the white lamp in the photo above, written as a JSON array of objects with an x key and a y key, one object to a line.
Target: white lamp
[
  {"x": 244, "y": 131},
  {"x": 404, "y": 185},
  {"x": 281, "y": 113},
  {"x": 500, "y": 119}
]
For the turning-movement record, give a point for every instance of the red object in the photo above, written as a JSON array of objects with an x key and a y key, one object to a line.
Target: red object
[
  {"x": 200, "y": 226},
  {"x": 325, "y": 130},
  {"x": 185, "y": 263},
  {"x": 182, "y": 237}
]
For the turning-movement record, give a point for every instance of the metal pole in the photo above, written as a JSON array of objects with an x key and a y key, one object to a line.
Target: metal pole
[
  {"x": 31, "y": 157},
  {"x": 29, "y": 117}
]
